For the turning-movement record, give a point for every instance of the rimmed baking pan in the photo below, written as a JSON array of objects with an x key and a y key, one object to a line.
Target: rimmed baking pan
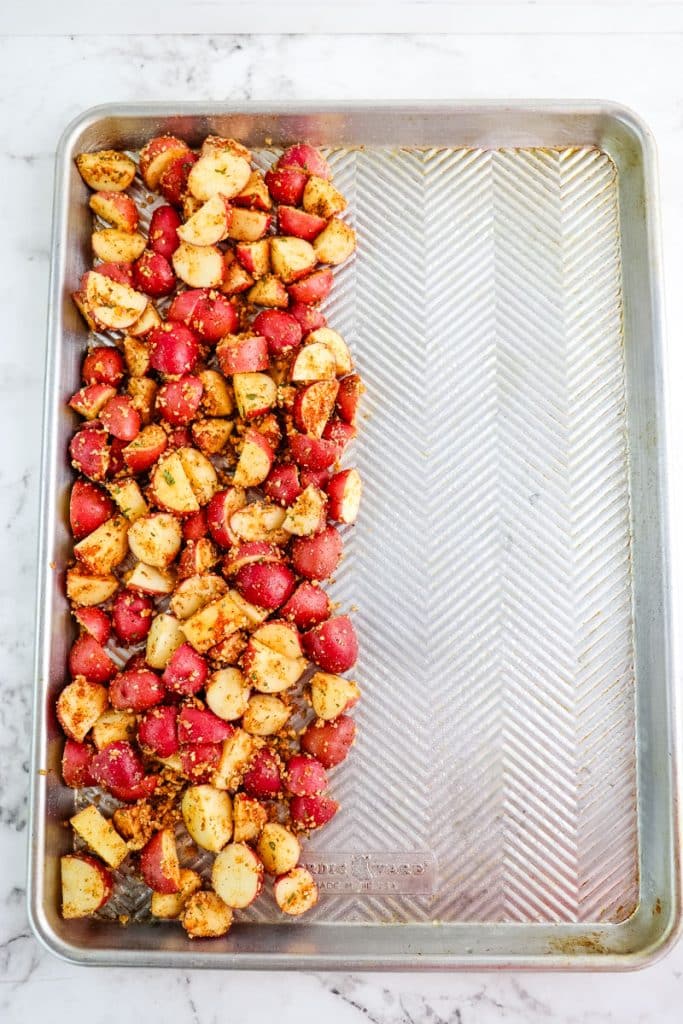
[{"x": 512, "y": 798}]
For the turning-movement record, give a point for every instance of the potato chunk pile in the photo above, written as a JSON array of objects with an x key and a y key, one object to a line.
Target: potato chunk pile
[{"x": 208, "y": 509}]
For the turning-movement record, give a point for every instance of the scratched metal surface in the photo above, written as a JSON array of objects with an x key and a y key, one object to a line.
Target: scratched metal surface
[{"x": 495, "y": 775}]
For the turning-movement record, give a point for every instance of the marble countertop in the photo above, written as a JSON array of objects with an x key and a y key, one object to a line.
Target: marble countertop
[{"x": 44, "y": 82}]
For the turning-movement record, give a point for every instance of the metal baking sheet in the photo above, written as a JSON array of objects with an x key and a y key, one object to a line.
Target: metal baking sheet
[{"x": 512, "y": 798}]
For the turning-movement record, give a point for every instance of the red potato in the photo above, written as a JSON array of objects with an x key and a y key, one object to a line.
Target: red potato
[
  {"x": 335, "y": 243},
  {"x": 227, "y": 694},
  {"x": 295, "y": 892},
  {"x": 148, "y": 580},
  {"x": 169, "y": 906},
  {"x": 309, "y": 317},
  {"x": 222, "y": 172},
  {"x": 330, "y": 742},
  {"x": 219, "y": 512},
  {"x": 76, "y": 759},
  {"x": 158, "y": 155},
  {"x": 339, "y": 433},
  {"x": 219, "y": 144},
  {"x": 235, "y": 758},
  {"x": 254, "y": 257},
  {"x": 186, "y": 671},
  {"x": 211, "y": 435},
  {"x": 128, "y": 497},
  {"x": 146, "y": 323},
  {"x": 269, "y": 291},
  {"x": 313, "y": 452},
  {"x": 117, "y": 465},
  {"x": 247, "y": 225},
  {"x": 348, "y": 397},
  {"x": 142, "y": 392},
  {"x": 312, "y": 289},
  {"x": 307, "y": 158},
  {"x": 254, "y": 194},
  {"x": 235, "y": 278},
  {"x": 195, "y": 526},
  {"x": 116, "y": 208},
  {"x": 286, "y": 185},
  {"x": 89, "y": 451},
  {"x": 159, "y": 865},
  {"x": 332, "y": 695},
  {"x": 207, "y": 813},
  {"x": 282, "y": 485},
  {"x": 86, "y": 590},
  {"x": 208, "y": 225},
  {"x": 309, "y": 812},
  {"x": 119, "y": 769},
  {"x": 199, "y": 266},
  {"x": 336, "y": 345},
  {"x": 305, "y": 776},
  {"x": 89, "y": 507},
  {"x": 306, "y": 515},
  {"x": 315, "y": 362},
  {"x": 265, "y": 715},
  {"x": 268, "y": 585},
  {"x": 242, "y": 353},
  {"x": 299, "y": 223},
  {"x": 95, "y": 622},
  {"x": 163, "y": 241},
  {"x": 248, "y": 818},
  {"x": 79, "y": 706},
  {"x": 267, "y": 670},
  {"x": 263, "y": 777},
  {"x": 280, "y": 636},
  {"x": 291, "y": 257},
  {"x": 259, "y": 521},
  {"x": 316, "y": 558},
  {"x": 197, "y": 558},
  {"x": 214, "y": 316},
  {"x": 122, "y": 273},
  {"x": 237, "y": 875},
  {"x": 245, "y": 554},
  {"x": 308, "y": 606},
  {"x": 333, "y": 645},
  {"x": 199, "y": 761},
  {"x": 86, "y": 885},
  {"x": 178, "y": 400},
  {"x": 121, "y": 418},
  {"x": 157, "y": 731},
  {"x": 197, "y": 725},
  {"x": 100, "y": 835},
  {"x": 104, "y": 548},
  {"x": 153, "y": 274},
  {"x": 215, "y": 621},
  {"x": 319, "y": 478},
  {"x": 141, "y": 454},
  {"x": 194, "y": 593},
  {"x": 173, "y": 349},
  {"x": 136, "y": 690},
  {"x": 89, "y": 659},
  {"x": 281, "y": 331},
  {"x": 255, "y": 394},
  {"x": 132, "y": 616},
  {"x": 322, "y": 199},
  {"x": 114, "y": 725},
  {"x": 82, "y": 305},
  {"x": 269, "y": 427},
  {"x": 183, "y": 306},
  {"x": 164, "y": 637},
  {"x": 205, "y": 916},
  {"x": 103, "y": 365},
  {"x": 181, "y": 437},
  {"x": 106, "y": 169},
  {"x": 344, "y": 493},
  {"x": 278, "y": 848},
  {"x": 256, "y": 458},
  {"x": 173, "y": 180},
  {"x": 115, "y": 246},
  {"x": 90, "y": 400},
  {"x": 314, "y": 405},
  {"x": 155, "y": 539}
]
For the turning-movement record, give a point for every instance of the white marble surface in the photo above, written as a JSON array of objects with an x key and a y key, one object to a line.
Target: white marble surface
[{"x": 43, "y": 83}]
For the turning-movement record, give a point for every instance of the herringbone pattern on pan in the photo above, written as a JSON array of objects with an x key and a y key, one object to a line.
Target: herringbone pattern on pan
[{"x": 491, "y": 564}]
